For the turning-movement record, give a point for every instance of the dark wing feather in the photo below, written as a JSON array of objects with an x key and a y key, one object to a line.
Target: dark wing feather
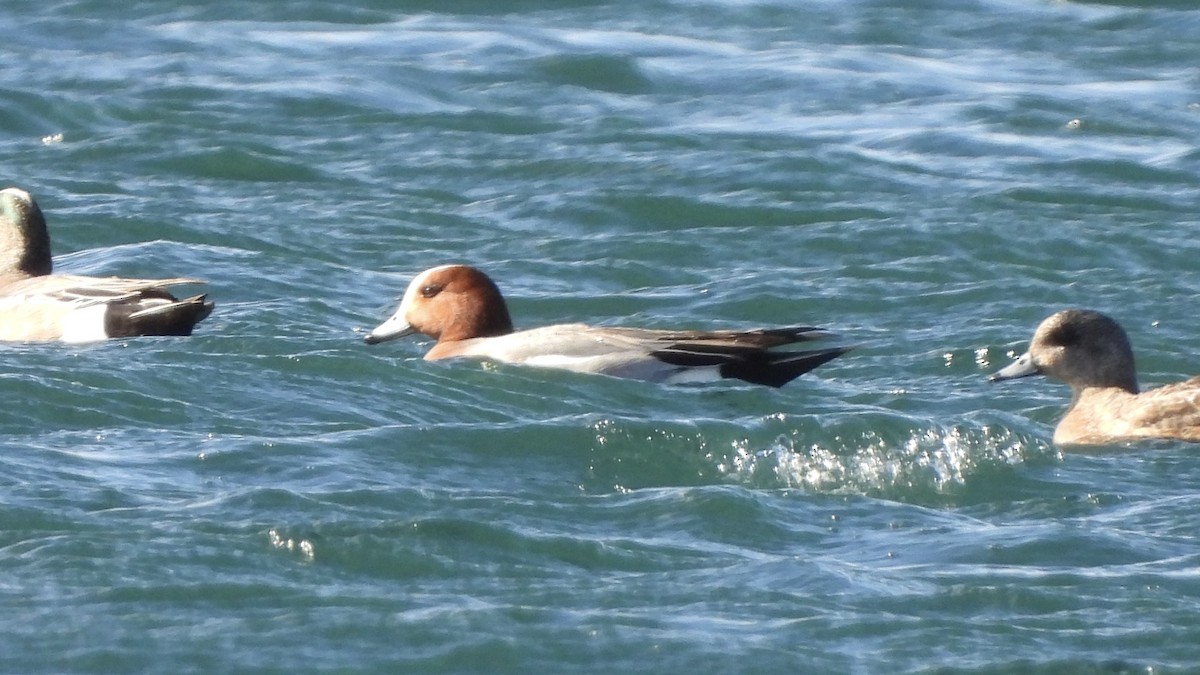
[
  {"x": 746, "y": 355},
  {"x": 765, "y": 338}
]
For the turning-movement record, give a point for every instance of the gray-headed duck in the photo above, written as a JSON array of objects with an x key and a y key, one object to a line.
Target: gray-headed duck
[
  {"x": 36, "y": 305},
  {"x": 462, "y": 309},
  {"x": 1091, "y": 353}
]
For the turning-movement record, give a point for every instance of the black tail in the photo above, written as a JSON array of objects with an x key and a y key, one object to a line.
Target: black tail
[
  {"x": 155, "y": 315},
  {"x": 775, "y": 369},
  {"x": 751, "y": 364}
]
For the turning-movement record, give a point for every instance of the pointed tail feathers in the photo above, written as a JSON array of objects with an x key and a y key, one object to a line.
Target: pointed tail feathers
[
  {"x": 775, "y": 369},
  {"x": 156, "y": 316},
  {"x": 751, "y": 364}
]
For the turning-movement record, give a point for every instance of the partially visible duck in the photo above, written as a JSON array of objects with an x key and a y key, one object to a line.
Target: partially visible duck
[
  {"x": 36, "y": 305},
  {"x": 1091, "y": 353},
  {"x": 461, "y": 308}
]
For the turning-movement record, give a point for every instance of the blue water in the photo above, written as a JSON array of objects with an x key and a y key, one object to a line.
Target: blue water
[{"x": 929, "y": 179}]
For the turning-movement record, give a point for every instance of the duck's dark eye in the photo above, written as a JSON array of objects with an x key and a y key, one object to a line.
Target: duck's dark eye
[
  {"x": 431, "y": 290},
  {"x": 1063, "y": 336}
]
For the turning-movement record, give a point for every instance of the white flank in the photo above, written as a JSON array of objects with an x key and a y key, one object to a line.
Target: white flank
[{"x": 85, "y": 324}]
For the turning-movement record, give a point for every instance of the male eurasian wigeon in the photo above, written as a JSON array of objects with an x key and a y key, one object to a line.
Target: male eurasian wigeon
[
  {"x": 1090, "y": 352},
  {"x": 36, "y": 305},
  {"x": 461, "y": 308}
]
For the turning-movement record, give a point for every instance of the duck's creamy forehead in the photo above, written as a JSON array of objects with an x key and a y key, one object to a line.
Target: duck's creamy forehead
[
  {"x": 419, "y": 282},
  {"x": 18, "y": 193},
  {"x": 436, "y": 270},
  {"x": 422, "y": 279},
  {"x": 16, "y": 198}
]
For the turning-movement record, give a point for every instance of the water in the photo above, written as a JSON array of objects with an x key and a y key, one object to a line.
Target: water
[{"x": 929, "y": 179}]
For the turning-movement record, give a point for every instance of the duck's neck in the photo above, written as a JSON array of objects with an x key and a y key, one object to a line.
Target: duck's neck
[
  {"x": 1131, "y": 386},
  {"x": 25, "y": 248},
  {"x": 1090, "y": 395},
  {"x": 1110, "y": 382},
  {"x": 1096, "y": 415},
  {"x": 484, "y": 315},
  {"x": 489, "y": 323}
]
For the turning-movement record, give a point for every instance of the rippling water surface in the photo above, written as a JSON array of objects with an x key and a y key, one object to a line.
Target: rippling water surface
[{"x": 929, "y": 179}]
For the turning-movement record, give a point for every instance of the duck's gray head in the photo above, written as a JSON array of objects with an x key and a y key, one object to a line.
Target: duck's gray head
[
  {"x": 24, "y": 241},
  {"x": 1080, "y": 347}
]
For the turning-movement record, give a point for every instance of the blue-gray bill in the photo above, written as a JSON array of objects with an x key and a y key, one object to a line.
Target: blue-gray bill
[{"x": 1022, "y": 367}]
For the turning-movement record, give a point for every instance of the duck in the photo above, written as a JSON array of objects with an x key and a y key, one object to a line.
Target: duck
[
  {"x": 1091, "y": 353},
  {"x": 37, "y": 305},
  {"x": 462, "y": 309}
]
